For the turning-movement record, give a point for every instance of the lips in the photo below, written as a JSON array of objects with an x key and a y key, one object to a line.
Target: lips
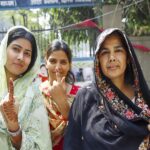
[
  {"x": 18, "y": 65},
  {"x": 112, "y": 66}
]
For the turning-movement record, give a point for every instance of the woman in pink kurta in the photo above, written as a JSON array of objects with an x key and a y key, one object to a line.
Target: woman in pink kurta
[{"x": 59, "y": 90}]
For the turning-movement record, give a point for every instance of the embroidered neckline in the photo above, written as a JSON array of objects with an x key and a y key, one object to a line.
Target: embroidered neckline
[{"x": 118, "y": 104}]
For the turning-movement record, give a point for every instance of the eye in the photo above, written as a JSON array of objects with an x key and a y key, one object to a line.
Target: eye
[
  {"x": 15, "y": 49},
  {"x": 64, "y": 62},
  {"x": 28, "y": 54},
  {"x": 104, "y": 52},
  {"x": 52, "y": 61},
  {"x": 120, "y": 49}
]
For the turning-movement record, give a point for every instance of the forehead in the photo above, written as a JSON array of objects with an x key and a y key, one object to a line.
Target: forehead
[
  {"x": 59, "y": 54},
  {"x": 22, "y": 42},
  {"x": 112, "y": 39}
]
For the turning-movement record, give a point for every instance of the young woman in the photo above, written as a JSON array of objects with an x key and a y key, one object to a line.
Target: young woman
[
  {"x": 58, "y": 90},
  {"x": 23, "y": 117},
  {"x": 114, "y": 112}
]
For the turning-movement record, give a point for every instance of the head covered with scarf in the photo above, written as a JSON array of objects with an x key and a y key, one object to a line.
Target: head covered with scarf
[
  {"x": 25, "y": 79},
  {"x": 118, "y": 104}
]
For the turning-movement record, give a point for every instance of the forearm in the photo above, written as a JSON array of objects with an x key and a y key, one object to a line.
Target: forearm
[
  {"x": 16, "y": 141},
  {"x": 63, "y": 107},
  {"x": 15, "y": 136}
]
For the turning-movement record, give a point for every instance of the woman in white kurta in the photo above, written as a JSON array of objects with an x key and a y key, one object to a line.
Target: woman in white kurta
[{"x": 23, "y": 118}]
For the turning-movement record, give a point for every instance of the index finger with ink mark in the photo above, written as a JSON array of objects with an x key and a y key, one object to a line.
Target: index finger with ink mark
[
  {"x": 11, "y": 90},
  {"x": 58, "y": 76}
]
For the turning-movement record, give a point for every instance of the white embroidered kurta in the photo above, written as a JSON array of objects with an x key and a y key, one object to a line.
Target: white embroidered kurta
[{"x": 32, "y": 115}]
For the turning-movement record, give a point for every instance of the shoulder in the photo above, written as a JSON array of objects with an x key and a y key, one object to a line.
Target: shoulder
[
  {"x": 85, "y": 98},
  {"x": 88, "y": 94},
  {"x": 88, "y": 90}
]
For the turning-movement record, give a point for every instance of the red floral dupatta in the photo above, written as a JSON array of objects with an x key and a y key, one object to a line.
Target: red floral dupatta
[{"x": 56, "y": 120}]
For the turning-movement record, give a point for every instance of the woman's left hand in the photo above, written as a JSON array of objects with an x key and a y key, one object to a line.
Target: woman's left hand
[{"x": 9, "y": 109}]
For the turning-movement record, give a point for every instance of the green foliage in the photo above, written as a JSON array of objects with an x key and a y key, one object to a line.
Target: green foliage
[
  {"x": 110, "y": 2},
  {"x": 138, "y": 19},
  {"x": 60, "y": 21},
  {"x": 61, "y": 18}
]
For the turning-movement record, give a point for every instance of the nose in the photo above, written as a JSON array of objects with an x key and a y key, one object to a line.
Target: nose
[
  {"x": 20, "y": 56},
  {"x": 112, "y": 58},
  {"x": 58, "y": 67}
]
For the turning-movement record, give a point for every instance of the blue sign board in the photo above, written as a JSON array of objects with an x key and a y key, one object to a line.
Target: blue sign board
[{"x": 16, "y": 4}]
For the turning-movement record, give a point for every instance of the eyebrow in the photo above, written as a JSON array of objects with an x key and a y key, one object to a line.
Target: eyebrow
[
  {"x": 59, "y": 59},
  {"x": 117, "y": 46},
  {"x": 22, "y": 47}
]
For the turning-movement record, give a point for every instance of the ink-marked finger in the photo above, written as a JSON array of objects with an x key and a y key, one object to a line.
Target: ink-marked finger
[
  {"x": 11, "y": 90},
  {"x": 63, "y": 83},
  {"x": 58, "y": 76}
]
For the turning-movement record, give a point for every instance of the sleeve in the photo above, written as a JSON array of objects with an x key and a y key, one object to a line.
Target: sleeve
[
  {"x": 73, "y": 134},
  {"x": 35, "y": 127}
]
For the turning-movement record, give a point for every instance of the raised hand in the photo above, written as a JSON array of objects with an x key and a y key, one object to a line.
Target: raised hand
[
  {"x": 58, "y": 88},
  {"x": 9, "y": 109},
  {"x": 58, "y": 93}
]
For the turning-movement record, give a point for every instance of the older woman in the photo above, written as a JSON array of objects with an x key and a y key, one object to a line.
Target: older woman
[{"x": 114, "y": 112}]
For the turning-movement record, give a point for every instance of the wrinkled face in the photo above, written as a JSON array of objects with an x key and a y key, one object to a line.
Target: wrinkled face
[
  {"x": 57, "y": 62},
  {"x": 19, "y": 54},
  {"x": 113, "y": 58}
]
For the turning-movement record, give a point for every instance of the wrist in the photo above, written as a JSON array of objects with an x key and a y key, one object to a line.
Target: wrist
[{"x": 14, "y": 133}]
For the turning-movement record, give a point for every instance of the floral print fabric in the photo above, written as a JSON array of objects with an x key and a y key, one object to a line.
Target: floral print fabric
[
  {"x": 119, "y": 104},
  {"x": 56, "y": 121}
]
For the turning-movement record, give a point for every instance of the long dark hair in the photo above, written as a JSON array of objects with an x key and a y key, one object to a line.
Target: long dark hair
[
  {"x": 22, "y": 33},
  {"x": 58, "y": 45}
]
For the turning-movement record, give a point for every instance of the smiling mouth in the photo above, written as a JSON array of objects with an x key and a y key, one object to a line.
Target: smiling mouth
[
  {"x": 18, "y": 65},
  {"x": 113, "y": 67}
]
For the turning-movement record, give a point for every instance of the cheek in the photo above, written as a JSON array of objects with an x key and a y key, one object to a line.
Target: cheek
[
  {"x": 125, "y": 65},
  {"x": 66, "y": 69},
  {"x": 28, "y": 61},
  {"x": 10, "y": 59},
  {"x": 48, "y": 65},
  {"x": 124, "y": 60},
  {"x": 10, "y": 55},
  {"x": 103, "y": 62},
  {"x": 50, "y": 68}
]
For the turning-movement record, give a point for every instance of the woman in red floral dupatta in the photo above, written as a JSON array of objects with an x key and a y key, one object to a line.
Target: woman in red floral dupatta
[
  {"x": 59, "y": 90},
  {"x": 114, "y": 112}
]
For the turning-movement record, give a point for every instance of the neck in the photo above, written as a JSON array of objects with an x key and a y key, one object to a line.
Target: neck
[
  {"x": 125, "y": 88},
  {"x": 119, "y": 82}
]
